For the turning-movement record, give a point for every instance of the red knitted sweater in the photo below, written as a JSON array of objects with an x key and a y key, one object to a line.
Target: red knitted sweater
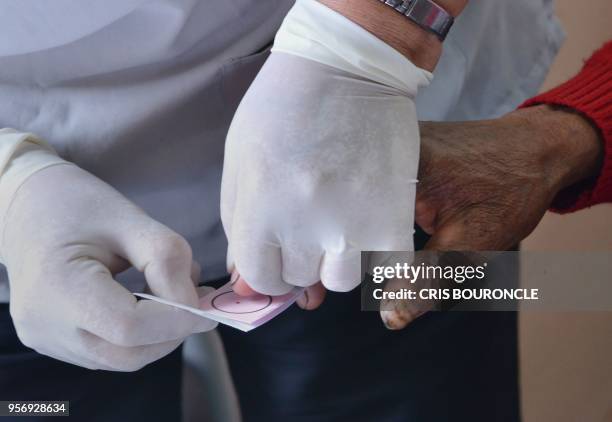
[{"x": 590, "y": 93}]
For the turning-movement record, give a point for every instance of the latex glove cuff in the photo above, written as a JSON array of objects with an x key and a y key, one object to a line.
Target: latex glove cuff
[
  {"x": 21, "y": 155},
  {"x": 316, "y": 32}
]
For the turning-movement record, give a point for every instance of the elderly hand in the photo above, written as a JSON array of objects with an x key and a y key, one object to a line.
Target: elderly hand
[{"x": 485, "y": 185}]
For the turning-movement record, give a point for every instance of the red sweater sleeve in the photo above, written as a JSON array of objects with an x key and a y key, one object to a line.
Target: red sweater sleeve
[{"x": 589, "y": 93}]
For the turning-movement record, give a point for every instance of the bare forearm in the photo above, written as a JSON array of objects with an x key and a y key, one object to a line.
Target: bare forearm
[{"x": 422, "y": 47}]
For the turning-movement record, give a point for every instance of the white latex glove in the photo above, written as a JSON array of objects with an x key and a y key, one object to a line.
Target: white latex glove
[
  {"x": 64, "y": 235},
  {"x": 322, "y": 156}
]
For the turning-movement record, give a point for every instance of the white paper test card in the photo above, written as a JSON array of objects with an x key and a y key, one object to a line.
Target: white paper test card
[{"x": 243, "y": 313}]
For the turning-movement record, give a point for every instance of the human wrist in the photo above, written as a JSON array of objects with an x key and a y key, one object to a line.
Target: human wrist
[
  {"x": 420, "y": 46},
  {"x": 570, "y": 148}
]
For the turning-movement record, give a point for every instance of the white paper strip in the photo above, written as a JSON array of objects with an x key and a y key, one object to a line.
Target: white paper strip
[{"x": 242, "y": 313}]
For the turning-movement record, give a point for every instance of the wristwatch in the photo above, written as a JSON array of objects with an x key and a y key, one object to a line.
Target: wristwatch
[{"x": 425, "y": 13}]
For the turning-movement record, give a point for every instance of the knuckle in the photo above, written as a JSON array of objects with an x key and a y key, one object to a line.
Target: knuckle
[{"x": 172, "y": 247}]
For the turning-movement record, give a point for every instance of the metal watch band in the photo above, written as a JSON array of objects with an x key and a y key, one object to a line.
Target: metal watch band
[{"x": 425, "y": 13}]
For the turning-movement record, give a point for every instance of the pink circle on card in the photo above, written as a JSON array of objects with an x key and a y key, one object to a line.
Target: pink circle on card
[{"x": 231, "y": 303}]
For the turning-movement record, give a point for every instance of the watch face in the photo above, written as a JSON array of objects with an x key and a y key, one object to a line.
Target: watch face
[{"x": 231, "y": 303}]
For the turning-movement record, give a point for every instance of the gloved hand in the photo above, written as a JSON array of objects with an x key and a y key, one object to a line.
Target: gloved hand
[
  {"x": 64, "y": 236},
  {"x": 322, "y": 156}
]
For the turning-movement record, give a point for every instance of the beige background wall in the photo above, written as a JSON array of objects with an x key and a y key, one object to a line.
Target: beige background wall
[{"x": 566, "y": 359}]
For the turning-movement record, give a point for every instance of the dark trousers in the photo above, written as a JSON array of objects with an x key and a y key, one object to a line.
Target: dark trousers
[
  {"x": 334, "y": 364},
  {"x": 339, "y": 364},
  {"x": 151, "y": 394}
]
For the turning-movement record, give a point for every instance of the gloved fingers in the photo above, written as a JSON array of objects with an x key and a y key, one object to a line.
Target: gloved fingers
[
  {"x": 392, "y": 233},
  {"x": 123, "y": 359},
  {"x": 341, "y": 272},
  {"x": 116, "y": 264},
  {"x": 169, "y": 271},
  {"x": 301, "y": 266},
  {"x": 204, "y": 290},
  {"x": 229, "y": 183},
  {"x": 68, "y": 349},
  {"x": 150, "y": 322},
  {"x": 230, "y": 264},
  {"x": 196, "y": 273},
  {"x": 164, "y": 257},
  {"x": 73, "y": 358},
  {"x": 112, "y": 313},
  {"x": 259, "y": 265}
]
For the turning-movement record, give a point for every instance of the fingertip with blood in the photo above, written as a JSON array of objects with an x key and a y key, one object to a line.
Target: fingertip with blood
[{"x": 240, "y": 286}]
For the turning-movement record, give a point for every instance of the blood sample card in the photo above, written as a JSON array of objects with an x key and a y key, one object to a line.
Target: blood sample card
[{"x": 243, "y": 313}]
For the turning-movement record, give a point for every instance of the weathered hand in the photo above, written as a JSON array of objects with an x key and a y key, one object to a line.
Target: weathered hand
[{"x": 485, "y": 185}]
